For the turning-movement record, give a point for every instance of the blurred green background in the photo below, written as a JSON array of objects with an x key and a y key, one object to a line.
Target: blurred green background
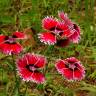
[{"x": 23, "y": 14}]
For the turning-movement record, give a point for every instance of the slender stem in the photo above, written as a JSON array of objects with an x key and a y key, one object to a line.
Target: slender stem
[
  {"x": 14, "y": 68},
  {"x": 46, "y": 53},
  {"x": 45, "y": 3},
  {"x": 25, "y": 89},
  {"x": 15, "y": 76}
]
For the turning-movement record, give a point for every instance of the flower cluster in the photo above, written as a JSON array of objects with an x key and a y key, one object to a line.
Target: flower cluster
[
  {"x": 60, "y": 32},
  {"x": 30, "y": 64}
]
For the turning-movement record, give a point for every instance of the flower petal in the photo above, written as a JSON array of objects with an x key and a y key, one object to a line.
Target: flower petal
[
  {"x": 41, "y": 61},
  {"x": 38, "y": 77},
  {"x": 31, "y": 76},
  {"x": 49, "y": 23},
  {"x": 47, "y": 38},
  {"x": 19, "y": 35},
  {"x": 61, "y": 28},
  {"x": 65, "y": 18},
  {"x": 68, "y": 74},
  {"x": 78, "y": 74},
  {"x": 21, "y": 63},
  {"x": 5, "y": 48},
  {"x": 30, "y": 58},
  {"x": 11, "y": 48},
  {"x": 25, "y": 74},
  {"x": 75, "y": 37},
  {"x": 66, "y": 33},
  {"x": 71, "y": 60},
  {"x": 16, "y": 48},
  {"x": 2, "y": 38},
  {"x": 60, "y": 65}
]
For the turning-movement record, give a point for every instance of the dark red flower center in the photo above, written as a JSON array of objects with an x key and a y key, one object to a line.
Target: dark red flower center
[
  {"x": 75, "y": 27},
  {"x": 32, "y": 67},
  {"x": 10, "y": 40},
  {"x": 55, "y": 28},
  {"x": 14, "y": 36},
  {"x": 62, "y": 42},
  {"x": 60, "y": 33},
  {"x": 72, "y": 66}
]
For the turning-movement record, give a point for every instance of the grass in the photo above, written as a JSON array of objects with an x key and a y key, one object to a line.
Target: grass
[{"x": 26, "y": 14}]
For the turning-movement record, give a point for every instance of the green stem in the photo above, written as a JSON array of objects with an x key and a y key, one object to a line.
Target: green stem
[
  {"x": 45, "y": 3},
  {"x": 25, "y": 89},
  {"x": 47, "y": 52},
  {"x": 16, "y": 88},
  {"x": 14, "y": 68}
]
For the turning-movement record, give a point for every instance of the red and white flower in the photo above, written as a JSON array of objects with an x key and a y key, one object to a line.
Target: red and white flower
[
  {"x": 63, "y": 28},
  {"x": 8, "y": 44},
  {"x": 51, "y": 37},
  {"x": 71, "y": 68},
  {"x": 29, "y": 67}
]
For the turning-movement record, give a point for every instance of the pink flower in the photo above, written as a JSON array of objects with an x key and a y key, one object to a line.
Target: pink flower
[
  {"x": 54, "y": 37},
  {"x": 29, "y": 67},
  {"x": 71, "y": 68},
  {"x": 63, "y": 30},
  {"x": 8, "y": 44}
]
